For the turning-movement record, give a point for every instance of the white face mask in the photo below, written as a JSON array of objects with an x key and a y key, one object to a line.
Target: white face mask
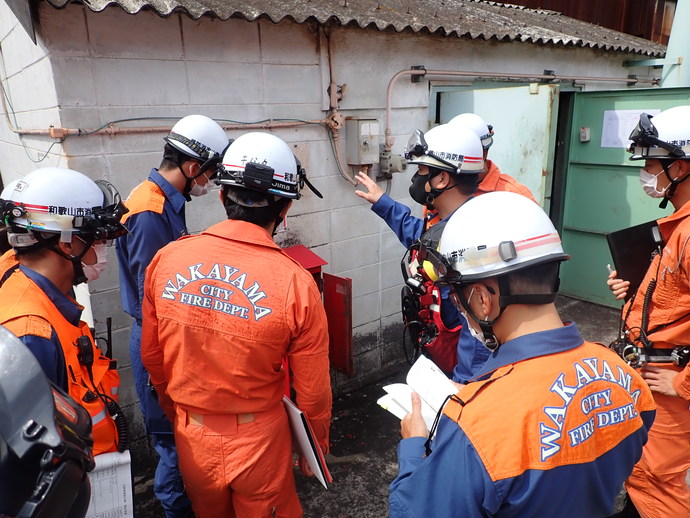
[
  {"x": 200, "y": 190},
  {"x": 478, "y": 335},
  {"x": 649, "y": 181},
  {"x": 93, "y": 271}
]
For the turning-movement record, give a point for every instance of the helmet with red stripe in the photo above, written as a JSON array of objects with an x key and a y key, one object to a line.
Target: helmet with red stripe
[
  {"x": 55, "y": 200},
  {"x": 514, "y": 234},
  {"x": 503, "y": 244},
  {"x": 262, "y": 162},
  {"x": 455, "y": 149}
]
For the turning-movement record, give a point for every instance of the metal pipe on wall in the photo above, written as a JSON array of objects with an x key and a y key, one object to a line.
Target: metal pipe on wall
[
  {"x": 335, "y": 118},
  {"x": 467, "y": 73},
  {"x": 111, "y": 130}
]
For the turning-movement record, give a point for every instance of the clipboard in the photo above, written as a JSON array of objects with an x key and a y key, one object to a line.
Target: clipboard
[
  {"x": 305, "y": 444},
  {"x": 631, "y": 249}
]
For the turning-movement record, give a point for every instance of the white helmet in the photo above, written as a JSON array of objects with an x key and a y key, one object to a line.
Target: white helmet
[
  {"x": 453, "y": 149},
  {"x": 668, "y": 136},
  {"x": 497, "y": 233},
  {"x": 61, "y": 201},
  {"x": 474, "y": 122},
  {"x": 262, "y": 162},
  {"x": 198, "y": 137},
  {"x": 5, "y": 194}
]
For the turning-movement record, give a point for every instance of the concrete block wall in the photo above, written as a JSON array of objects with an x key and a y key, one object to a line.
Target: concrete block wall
[
  {"x": 90, "y": 68},
  {"x": 25, "y": 78}
]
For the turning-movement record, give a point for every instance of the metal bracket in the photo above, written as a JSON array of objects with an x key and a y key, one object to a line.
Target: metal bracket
[{"x": 416, "y": 78}]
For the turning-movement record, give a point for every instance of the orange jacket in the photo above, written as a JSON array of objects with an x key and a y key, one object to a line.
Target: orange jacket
[
  {"x": 27, "y": 310},
  {"x": 7, "y": 261},
  {"x": 220, "y": 311},
  {"x": 670, "y": 302},
  {"x": 495, "y": 180}
]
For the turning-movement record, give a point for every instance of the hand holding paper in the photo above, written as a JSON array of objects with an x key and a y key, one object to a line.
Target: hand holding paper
[
  {"x": 427, "y": 380},
  {"x": 413, "y": 424}
]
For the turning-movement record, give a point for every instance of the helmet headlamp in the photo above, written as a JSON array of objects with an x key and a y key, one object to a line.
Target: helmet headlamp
[
  {"x": 104, "y": 222},
  {"x": 261, "y": 177},
  {"x": 646, "y": 135}
]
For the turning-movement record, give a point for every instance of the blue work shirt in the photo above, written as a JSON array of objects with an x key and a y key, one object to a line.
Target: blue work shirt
[
  {"x": 149, "y": 231},
  {"x": 489, "y": 459},
  {"x": 472, "y": 354}
]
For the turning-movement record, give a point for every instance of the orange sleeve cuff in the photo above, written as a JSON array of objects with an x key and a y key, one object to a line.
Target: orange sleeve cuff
[{"x": 681, "y": 383}]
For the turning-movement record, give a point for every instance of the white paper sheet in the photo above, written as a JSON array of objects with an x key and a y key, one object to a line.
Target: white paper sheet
[{"x": 111, "y": 487}]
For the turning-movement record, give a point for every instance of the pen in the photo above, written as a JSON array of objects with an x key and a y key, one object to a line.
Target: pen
[{"x": 609, "y": 268}]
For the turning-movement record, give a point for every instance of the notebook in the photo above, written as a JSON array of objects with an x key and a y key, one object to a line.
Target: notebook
[{"x": 631, "y": 250}]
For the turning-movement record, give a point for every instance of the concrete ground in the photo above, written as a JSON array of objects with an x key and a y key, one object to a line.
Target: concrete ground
[{"x": 364, "y": 438}]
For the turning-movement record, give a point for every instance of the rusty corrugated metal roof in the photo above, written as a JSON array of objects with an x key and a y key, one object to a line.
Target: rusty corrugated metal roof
[{"x": 461, "y": 18}]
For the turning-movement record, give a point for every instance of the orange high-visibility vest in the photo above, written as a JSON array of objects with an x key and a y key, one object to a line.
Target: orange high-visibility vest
[{"x": 27, "y": 310}]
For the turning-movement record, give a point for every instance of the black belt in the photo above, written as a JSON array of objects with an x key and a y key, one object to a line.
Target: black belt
[{"x": 667, "y": 355}]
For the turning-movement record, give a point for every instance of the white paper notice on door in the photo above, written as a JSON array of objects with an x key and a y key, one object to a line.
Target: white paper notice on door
[{"x": 618, "y": 124}]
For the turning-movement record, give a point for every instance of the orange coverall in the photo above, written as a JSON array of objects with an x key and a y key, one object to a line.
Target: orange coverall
[
  {"x": 657, "y": 485},
  {"x": 220, "y": 311}
]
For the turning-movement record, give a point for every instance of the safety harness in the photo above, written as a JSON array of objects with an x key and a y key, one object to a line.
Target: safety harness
[
  {"x": 424, "y": 328},
  {"x": 641, "y": 350}
]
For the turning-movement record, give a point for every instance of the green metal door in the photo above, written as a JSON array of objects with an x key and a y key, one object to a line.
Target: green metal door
[
  {"x": 524, "y": 119},
  {"x": 602, "y": 189}
]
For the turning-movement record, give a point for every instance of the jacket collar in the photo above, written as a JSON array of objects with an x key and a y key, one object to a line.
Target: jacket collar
[
  {"x": 490, "y": 181},
  {"x": 68, "y": 307},
  {"x": 242, "y": 231},
  {"x": 534, "y": 345},
  {"x": 171, "y": 193}
]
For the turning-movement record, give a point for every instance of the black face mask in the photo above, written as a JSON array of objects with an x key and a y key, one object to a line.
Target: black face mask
[{"x": 418, "y": 190}]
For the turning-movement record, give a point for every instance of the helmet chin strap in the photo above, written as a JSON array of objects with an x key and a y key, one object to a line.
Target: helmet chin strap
[
  {"x": 188, "y": 179},
  {"x": 490, "y": 340},
  {"x": 187, "y": 182},
  {"x": 674, "y": 184},
  {"x": 505, "y": 299},
  {"x": 434, "y": 192},
  {"x": 79, "y": 275},
  {"x": 277, "y": 208}
]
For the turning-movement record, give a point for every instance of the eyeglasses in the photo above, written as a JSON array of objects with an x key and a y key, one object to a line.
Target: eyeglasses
[
  {"x": 417, "y": 147},
  {"x": 646, "y": 135}
]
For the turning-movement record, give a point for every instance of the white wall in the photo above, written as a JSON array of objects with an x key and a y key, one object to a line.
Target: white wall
[
  {"x": 26, "y": 77},
  {"x": 91, "y": 68}
]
